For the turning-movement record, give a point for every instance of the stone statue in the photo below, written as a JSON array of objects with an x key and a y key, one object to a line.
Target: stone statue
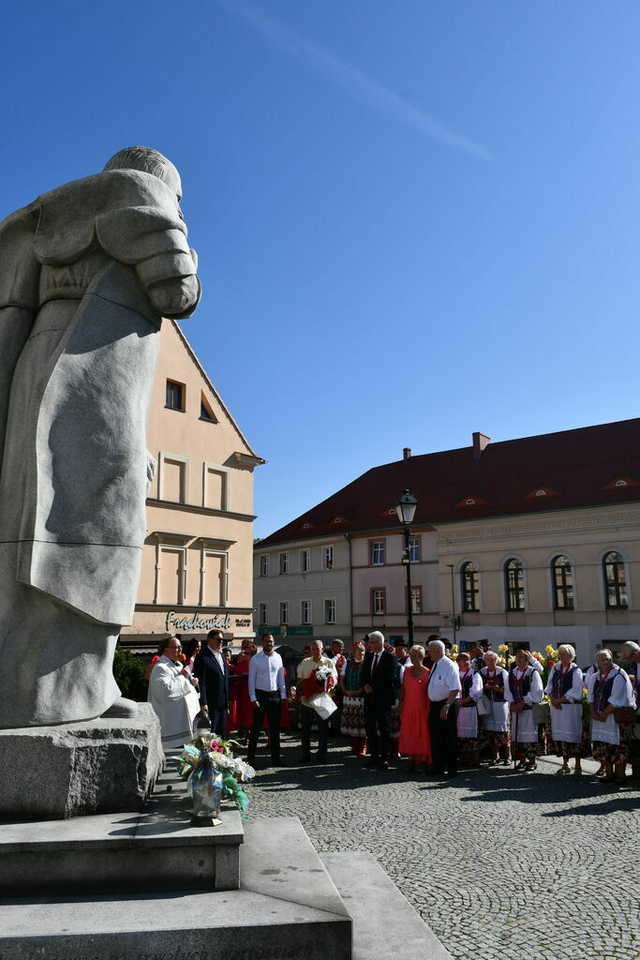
[{"x": 87, "y": 272}]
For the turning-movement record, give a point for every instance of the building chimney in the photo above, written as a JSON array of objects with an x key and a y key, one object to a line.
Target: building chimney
[
  {"x": 406, "y": 453},
  {"x": 480, "y": 441}
]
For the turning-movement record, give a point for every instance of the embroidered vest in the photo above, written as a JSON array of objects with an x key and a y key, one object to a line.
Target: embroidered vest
[
  {"x": 519, "y": 688},
  {"x": 561, "y": 682},
  {"x": 466, "y": 684},
  {"x": 497, "y": 695},
  {"x": 602, "y": 690}
]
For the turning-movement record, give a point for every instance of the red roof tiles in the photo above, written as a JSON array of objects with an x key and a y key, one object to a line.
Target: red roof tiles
[{"x": 575, "y": 468}]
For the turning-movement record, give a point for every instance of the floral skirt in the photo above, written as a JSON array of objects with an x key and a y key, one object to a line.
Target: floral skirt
[
  {"x": 495, "y": 738},
  {"x": 526, "y": 751},
  {"x": 610, "y": 752},
  {"x": 352, "y": 722},
  {"x": 467, "y": 745}
]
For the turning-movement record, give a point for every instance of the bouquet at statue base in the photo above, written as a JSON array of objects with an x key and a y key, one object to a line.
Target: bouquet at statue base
[
  {"x": 316, "y": 689},
  {"x": 215, "y": 774}
]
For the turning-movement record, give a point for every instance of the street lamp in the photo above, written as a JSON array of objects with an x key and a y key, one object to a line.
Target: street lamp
[{"x": 406, "y": 509}]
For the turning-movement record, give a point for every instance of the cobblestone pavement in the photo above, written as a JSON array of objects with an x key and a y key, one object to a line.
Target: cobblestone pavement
[{"x": 502, "y": 866}]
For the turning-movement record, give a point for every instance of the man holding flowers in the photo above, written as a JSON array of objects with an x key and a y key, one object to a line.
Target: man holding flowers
[{"x": 317, "y": 676}]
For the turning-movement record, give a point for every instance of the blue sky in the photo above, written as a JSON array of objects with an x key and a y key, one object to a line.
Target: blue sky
[{"x": 414, "y": 219}]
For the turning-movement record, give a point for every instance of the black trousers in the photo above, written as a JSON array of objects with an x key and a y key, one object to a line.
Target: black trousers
[
  {"x": 269, "y": 703},
  {"x": 307, "y": 717},
  {"x": 378, "y": 726},
  {"x": 443, "y": 733},
  {"x": 218, "y": 717}
]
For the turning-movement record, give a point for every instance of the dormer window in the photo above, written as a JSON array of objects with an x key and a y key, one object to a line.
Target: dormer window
[
  {"x": 539, "y": 492},
  {"x": 206, "y": 413}
]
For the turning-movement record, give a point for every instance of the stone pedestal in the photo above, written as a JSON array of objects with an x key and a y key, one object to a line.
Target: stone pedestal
[{"x": 74, "y": 769}]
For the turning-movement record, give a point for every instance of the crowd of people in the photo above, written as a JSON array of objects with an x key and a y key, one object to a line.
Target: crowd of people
[{"x": 436, "y": 708}]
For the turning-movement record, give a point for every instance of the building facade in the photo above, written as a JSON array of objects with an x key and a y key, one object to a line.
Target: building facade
[
  {"x": 531, "y": 541},
  {"x": 197, "y": 556}
]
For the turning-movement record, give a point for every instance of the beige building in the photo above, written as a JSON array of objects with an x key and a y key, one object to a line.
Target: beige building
[
  {"x": 197, "y": 557},
  {"x": 568, "y": 577},
  {"x": 530, "y": 541}
]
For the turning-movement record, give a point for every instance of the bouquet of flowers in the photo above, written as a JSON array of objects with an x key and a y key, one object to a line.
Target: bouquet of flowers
[
  {"x": 210, "y": 759},
  {"x": 317, "y": 687}
]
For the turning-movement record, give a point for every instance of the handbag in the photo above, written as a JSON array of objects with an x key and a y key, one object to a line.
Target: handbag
[
  {"x": 484, "y": 706},
  {"x": 624, "y": 715},
  {"x": 541, "y": 713}
]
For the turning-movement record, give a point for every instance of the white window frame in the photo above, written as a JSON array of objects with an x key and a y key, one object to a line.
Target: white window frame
[
  {"x": 308, "y": 620},
  {"x": 263, "y": 564},
  {"x": 418, "y": 588},
  {"x": 186, "y": 475},
  {"x": 284, "y": 605},
  {"x": 225, "y": 475},
  {"x": 263, "y": 613},
  {"x": 283, "y": 563},
  {"x": 383, "y": 591},
  {"x": 305, "y": 560},
  {"x": 326, "y": 563},
  {"x": 382, "y": 544},
  {"x": 223, "y": 595},
  {"x": 327, "y": 619},
  {"x": 418, "y": 543},
  {"x": 182, "y": 584}
]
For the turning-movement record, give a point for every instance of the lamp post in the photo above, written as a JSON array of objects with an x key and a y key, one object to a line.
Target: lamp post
[{"x": 406, "y": 509}]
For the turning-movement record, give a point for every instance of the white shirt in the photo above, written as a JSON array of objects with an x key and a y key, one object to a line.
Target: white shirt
[
  {"x": 218, "y": 656},
  {"x": 444, "y": 678},
  {"x": 266, "y": 673}
]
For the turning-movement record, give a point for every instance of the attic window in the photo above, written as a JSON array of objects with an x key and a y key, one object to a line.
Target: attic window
[
  {"x": 391, "y": 512},
  {"x": 541, "y": 492},
  {"x": 338, "y": 520},
  {"x": 206, "y": 413},
  {"x": 306, "y": 526},
  {"x": 622, "y": 481},
  {"x": 471, "y": 501}
]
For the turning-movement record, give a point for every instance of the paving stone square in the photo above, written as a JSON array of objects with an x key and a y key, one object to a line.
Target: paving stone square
[{"x": 501, "y": 865}]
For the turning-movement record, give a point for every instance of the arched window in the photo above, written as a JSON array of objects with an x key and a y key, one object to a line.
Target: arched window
[
  {"x": 514, "y": 584},
  {"x": 615, "y": 584},
  {"x": 562, "y": 577},
  {"x": 469, "y": 578}
]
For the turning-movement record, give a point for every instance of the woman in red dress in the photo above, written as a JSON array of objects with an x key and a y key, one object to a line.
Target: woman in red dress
[
  {"x": 240, "y": 709},
  {"x": 414, "y": 711}
]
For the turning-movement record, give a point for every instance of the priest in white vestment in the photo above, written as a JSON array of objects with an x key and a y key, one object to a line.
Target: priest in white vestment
[{"x": 173, "y": 696}]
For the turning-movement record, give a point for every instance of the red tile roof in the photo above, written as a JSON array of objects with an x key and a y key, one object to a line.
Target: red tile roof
[{"x": 572, "y": 468}]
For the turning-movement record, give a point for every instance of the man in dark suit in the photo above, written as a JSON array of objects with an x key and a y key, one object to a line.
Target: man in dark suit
[
  {"x": 379, "y": 681},
  {"x": 213, "y": 678}
]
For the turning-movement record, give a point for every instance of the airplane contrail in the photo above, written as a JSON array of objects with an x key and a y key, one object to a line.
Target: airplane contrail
[{"x": 359, "y": 85}]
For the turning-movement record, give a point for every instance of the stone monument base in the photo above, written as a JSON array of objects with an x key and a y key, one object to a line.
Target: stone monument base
[{"x": 106, "y": 765}]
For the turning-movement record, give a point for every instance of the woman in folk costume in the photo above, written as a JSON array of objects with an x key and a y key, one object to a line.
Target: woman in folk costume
[
  {"x": 608, "y": 688},
  {"x": 353, "y": 720},
  {"x": 414, "y": 711},
  {"x": 564, "y": 689},
  {"x": 467, "y": 720},
  {"x": 523, "y": 690},
  {"x": 495, "y": 726}
]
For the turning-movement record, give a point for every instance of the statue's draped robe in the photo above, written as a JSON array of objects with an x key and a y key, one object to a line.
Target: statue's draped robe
[{"x": 78, "y": 347}]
